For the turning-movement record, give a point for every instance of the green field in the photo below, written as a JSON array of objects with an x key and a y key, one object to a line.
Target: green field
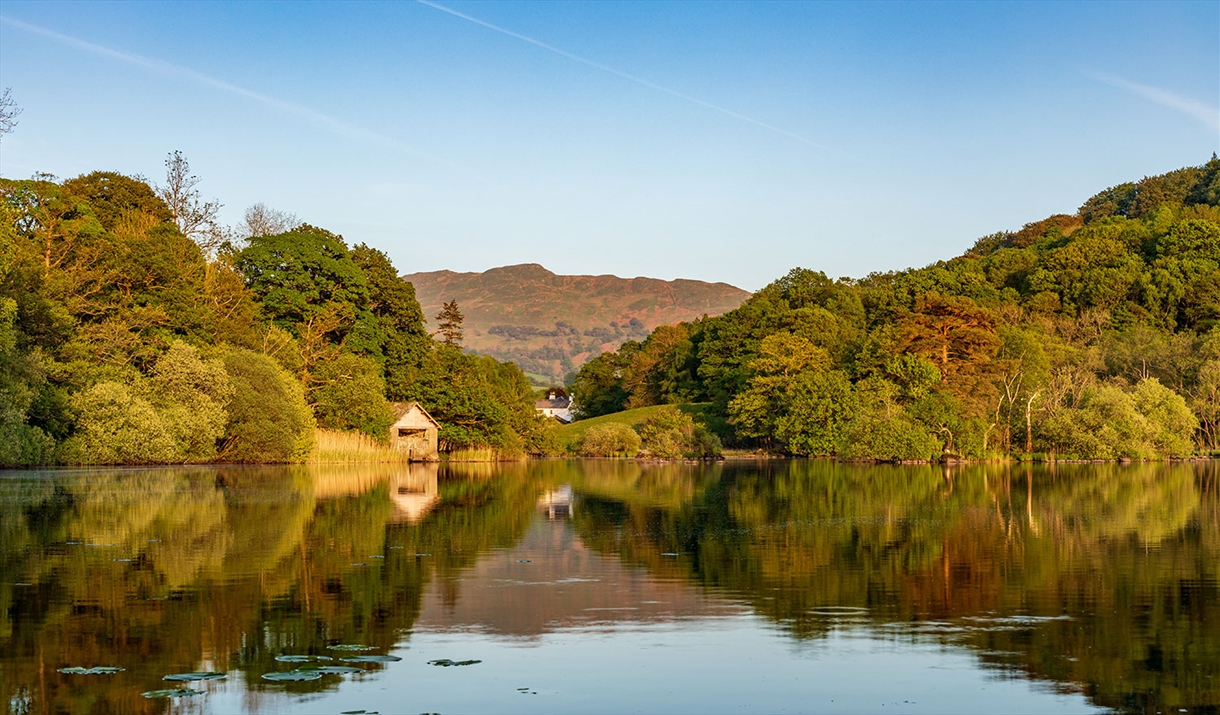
[{"x": 568, "y": 434}]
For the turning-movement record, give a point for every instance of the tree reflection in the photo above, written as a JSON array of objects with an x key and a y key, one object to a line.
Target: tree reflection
[{"x": 1101, "y": 577}]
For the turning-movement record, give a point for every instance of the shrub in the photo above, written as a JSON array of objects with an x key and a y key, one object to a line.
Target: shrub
[
  {"x": 191, "y": 395},
  {"x": 1172, "y": 422},
  {"x": 268, "y": 418},
  {"x": 609, "y": 440},
  {"x": 893, "y": 437},
  {"x": 114, "y": 426}
]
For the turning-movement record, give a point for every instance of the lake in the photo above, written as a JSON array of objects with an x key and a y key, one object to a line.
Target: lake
[{"x": 612, "y": 586}]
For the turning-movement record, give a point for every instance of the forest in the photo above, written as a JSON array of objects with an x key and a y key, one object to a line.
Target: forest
[
  {"x": 1087, "y": 336},
  {"x": 136, "y": 330}
]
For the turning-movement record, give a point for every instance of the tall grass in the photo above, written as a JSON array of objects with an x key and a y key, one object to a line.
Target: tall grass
[
  {"x": 481, "y": 454},
  {"x": 339, "y": 447}
]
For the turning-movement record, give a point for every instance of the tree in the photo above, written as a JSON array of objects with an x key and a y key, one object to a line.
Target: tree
[
  {"x": 261, "y": 220},
  {"x": 269, "y": 421},
  {"x": 449, "y": 323},
  {"x": 351, "y": 395},
  {"x": 959, "y": 336},
  {"x": 598, "y": 387},
  {"x": 115, "y": 197},
  {"x": 195, "y": 218},
  {"x": 392, "y": 300},
  {"x": 9, "y": 112}
]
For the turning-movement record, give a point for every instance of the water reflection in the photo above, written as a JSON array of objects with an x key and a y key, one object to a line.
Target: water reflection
[{"x": 1093, "y": 579}]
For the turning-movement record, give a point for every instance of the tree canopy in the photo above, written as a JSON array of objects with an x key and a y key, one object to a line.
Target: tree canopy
[{"x": 1031, "y": 342}]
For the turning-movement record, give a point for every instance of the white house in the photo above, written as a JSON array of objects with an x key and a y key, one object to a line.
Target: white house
[{"x": 556, "y": 404}]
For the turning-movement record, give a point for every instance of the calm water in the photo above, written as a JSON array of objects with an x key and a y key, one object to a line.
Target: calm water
[{"x": 615, "y": 587}]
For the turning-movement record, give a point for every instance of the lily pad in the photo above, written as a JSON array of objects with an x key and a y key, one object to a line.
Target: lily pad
[
  {"x": 334, "y": 669},
  {"x": 371, "y": 659},
  {"x": 293, "y": 675},
  {"x": 350, "y": 647},
  {"x": 191, "y": 677},
  {"x": 174, "y": 693},
  {"x": 446, "y": 663},
  {"x": 97, "y": 670},
  {"x": 301, "y": 658}
]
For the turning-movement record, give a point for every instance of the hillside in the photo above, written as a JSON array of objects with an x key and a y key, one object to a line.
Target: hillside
[
  {"x": 551, "y": 324},
  {"x": 1094, "y": 335}
]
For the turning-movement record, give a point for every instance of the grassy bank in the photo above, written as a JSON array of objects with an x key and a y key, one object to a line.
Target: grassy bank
[
  {"x": 344, "y": 447},
  {"x": 570, "y": 434}
]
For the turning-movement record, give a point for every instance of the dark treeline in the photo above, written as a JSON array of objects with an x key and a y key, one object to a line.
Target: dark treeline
[
  {"x": 134, "y": 330},
  {"x": 1093, "y": 335}
]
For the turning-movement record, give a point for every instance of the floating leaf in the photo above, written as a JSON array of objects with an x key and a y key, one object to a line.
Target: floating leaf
[
  {"x": 334, "y": 669},
  {"x": 445, "y": 662},
  {"x": 350, "y": 647},
  {"x": 371, "y": 659},
  {"x": 293, "y": 675},
  {"x": 174, "y": 693},
  {"x": 97, "y": 670},
  {"x": 525, "y": 561},
  {"x": 301, "y": 658},
  {"x": 191, "y": 677}
]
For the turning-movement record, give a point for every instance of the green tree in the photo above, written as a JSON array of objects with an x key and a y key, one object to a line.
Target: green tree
[
  {"x": 351, "y": 395},
  {"x": 598, "y": 388},
  {"x": 192, "y": 396},
  {"x": 1173, "y": 424},
  {"x": 269, "y": 421},
  {"x": 449, "y": 323}
]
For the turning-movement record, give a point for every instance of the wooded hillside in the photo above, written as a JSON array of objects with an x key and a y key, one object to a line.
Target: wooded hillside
[
  {"x": 1091, "y": 335},
  {"x": 124, "y": 341}
]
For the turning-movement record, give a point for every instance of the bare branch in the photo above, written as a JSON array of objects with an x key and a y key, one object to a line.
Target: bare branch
[
  {"x": 262, "y": 220},
  {"x": 196, "y": 218},
  {"x": 9, "y": 111}
]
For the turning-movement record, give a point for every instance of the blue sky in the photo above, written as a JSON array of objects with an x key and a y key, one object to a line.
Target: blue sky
[{"x": 717, "y": 141}]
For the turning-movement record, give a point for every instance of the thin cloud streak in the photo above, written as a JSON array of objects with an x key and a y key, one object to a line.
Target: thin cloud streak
[
  {"x": 326, "y": 121},
  {"x": 626, "y": 76},
  {"x": 1209, "y": 116}
]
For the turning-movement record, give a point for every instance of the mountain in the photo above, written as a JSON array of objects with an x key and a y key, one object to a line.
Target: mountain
[{"x": 551, "y": 324}]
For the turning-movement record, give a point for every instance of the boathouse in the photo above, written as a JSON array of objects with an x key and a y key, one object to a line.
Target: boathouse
[{"x": 414, "y": 432}]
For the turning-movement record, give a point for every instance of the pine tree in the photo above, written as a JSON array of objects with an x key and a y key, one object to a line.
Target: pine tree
[{"x": 449, "y": 321}]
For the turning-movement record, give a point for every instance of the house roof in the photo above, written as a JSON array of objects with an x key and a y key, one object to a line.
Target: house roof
[
  {"x": 402, "y": 409},
  {"x": 559, "y": 403}
]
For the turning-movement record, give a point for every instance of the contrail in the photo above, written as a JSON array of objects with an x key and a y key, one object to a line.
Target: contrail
[
  {"x": 1209, "y": 116},
  {"x": 332, "y": 124},
  {"x": 626, "y": 76}
]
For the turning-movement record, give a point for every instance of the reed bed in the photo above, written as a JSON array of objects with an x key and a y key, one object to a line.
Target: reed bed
[
  {"x": 339, "y": 447},
  {"x": 481, "y": 454}
]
